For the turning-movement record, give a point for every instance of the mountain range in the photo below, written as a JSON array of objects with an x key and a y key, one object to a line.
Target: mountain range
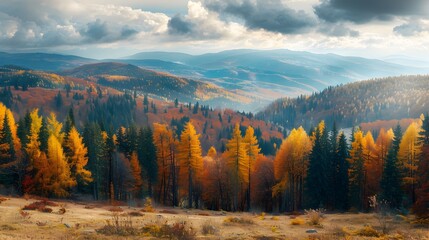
[{"x": 259, "y": 75}]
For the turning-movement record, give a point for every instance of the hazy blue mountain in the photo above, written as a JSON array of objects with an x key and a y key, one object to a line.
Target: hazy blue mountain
[
  {"x": 270, "y": 74},
  {"x": 43, "y": 61},
  {"x": 166, "y": 56}
]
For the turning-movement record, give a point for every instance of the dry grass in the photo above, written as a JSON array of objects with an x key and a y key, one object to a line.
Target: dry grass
[
  {"x": 82, "y": 223},
  {"x": 121, "y": 225},
  {"x": 179, "y": 230},
  {"x": 168, "y": 211},
  {"x": 368, "y": 231}
]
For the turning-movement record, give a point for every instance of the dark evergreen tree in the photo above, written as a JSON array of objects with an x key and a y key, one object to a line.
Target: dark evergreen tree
[
  {"x": 147, "y": 158},
  {"x": 341, "y": 184},
  {"x": 7, "y": 154},
  {"x": 44, "y": 136},
  {"x": 196, "y": 107},
  {"x": 391, "y": 178},
  {"x": 176, "y": 103},
  {"x": 316, "y": 186},
  {"x": 331, "y": 167},
  {"x": 145, "y": 100},
  {"x": 93, "y": 139},
  {"x": 6, "y": 97},
  {"x": 24, "y": 129},
  {"x": 59, "y": 100},
  {"x": 421, "y": 206},
  {"x": 69, "y": 122}
]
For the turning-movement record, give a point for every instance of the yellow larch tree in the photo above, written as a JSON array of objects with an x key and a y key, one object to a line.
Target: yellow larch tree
[
  {"x": 371, "y": 167},
  {"x": 136, "y": 171},
  {"x": 165, "y": 145},
  {"x": 384, "y": 141},
  {"x": 54, "y": 127},
  {"x": 190, "y": 162},
  {"x": 409, "y": 154},
  {"x": 60, "y": 180},
  {"x": 37, "y": 179},
  {"x": 77, "y": 154},
  {"x": 290, "y": 166},
  {"x": 237, "y": 162},
  {"x": 252, "y": 149}
]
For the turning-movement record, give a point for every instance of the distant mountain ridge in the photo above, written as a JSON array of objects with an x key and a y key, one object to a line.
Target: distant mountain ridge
[
  {"x": 270, "y": 74},
  {"x": 262, "y": 75},
  {"x": 43, "y": 61}
]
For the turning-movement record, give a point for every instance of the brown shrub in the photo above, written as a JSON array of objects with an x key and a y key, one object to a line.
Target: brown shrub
[
  {"x": 40, "y": 206},
  {"x": 239, "y": 220},
  {"x": 209, "y": 228}
]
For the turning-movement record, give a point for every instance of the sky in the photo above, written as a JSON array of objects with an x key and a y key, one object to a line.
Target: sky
[{"x": 118, "y": 28}]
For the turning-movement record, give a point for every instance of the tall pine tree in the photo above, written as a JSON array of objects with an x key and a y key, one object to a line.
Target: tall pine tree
[
  {"x": 391, "y": 179},
  {"x": 341, "y": 174},
  {"x": 317, "y": 183},
  {"x": 421, "y": 206}
]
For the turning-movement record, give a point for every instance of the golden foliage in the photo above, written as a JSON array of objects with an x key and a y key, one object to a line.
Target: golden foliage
[
  {"x": 291, "y": 160},
  {"x": 190, "y": 158},
  {"x": 77, "y": 157},
  {"x": 237, "y": 159},
  {"x": 60, "y": 180},
  {"x": 136, "y": 171}
]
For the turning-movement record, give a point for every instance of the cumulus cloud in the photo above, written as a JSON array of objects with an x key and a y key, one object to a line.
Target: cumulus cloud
[
  {"x": 201, "y": 24},
  {"x": 51, "y": 23},
  {"x": 270, "y": 15},
  {"x": 411, "y": 28},
  {"x": 363, "y": 11}
]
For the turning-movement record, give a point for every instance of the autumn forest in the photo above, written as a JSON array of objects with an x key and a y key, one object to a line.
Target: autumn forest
[{"x": 319, "y": 167}]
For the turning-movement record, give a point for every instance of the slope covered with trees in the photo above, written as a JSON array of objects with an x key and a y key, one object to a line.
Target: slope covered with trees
[
  {"x": 125, "y": 147},
  {"x": 126, "y": 76},
  {"x": 351, "y": 104}
]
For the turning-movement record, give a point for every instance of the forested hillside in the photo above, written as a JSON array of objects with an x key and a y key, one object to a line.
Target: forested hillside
[
  {"x": 121, "y": 145},
  {"x": 129, "y": 77},
  {"x": 351, "y": 104}
]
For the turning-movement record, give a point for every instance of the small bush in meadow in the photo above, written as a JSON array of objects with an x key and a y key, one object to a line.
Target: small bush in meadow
[
  {"x": 314, "y": 216},
  {"x": 209, "y": 228},
  {"x": 147, "y": 207},
  {"x": 121, "y": 225}
]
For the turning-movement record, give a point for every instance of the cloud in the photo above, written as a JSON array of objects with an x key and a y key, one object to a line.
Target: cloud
[
  {"x": 363, "y": 11},
  {"x": 179, "y": 25},
  {"x": 201, "y": 24},
  {"x": 337, "y": 30},
  {"x": 270, "y": 15},
  {"x": 411, "y": 28},
  {"x": 50, "y": 23}
]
